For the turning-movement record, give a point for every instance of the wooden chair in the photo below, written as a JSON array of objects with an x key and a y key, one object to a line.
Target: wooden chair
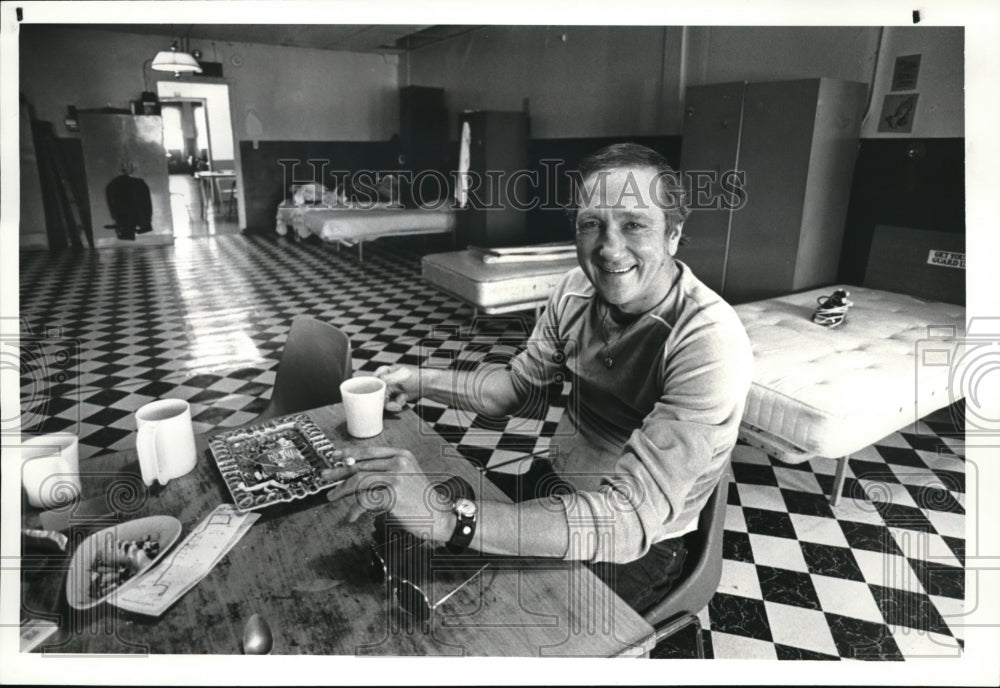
[
  {"x": 701, "y": 576},
  {"x": 315, "y": 360}
]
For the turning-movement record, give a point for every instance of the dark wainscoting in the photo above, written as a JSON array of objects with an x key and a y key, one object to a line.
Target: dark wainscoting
[
  {"x": 548, "y": 222},
  {"x": 908, "y": 183},
  {"x": 265, "y": 186},
  {"x": 264, "y": 183},
  {"x": 918, "y": 183}
]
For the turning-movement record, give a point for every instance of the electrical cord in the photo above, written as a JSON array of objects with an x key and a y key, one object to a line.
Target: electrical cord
[{"x": 832, "y": 308}]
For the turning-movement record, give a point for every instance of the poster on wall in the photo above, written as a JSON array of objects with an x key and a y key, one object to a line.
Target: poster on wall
[
  {"x": 897, "y": 113},
  {"x": 905, "y": 73}
]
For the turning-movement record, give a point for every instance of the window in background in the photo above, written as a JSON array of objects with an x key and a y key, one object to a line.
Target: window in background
[{"x": 173, "y": 133}]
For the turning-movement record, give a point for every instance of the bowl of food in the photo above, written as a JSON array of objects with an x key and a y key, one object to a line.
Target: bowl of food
[{"x": 109, "y": 560}]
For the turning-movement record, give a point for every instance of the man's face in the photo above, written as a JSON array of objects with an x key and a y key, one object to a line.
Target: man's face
[{"x": 622, "y": 241}]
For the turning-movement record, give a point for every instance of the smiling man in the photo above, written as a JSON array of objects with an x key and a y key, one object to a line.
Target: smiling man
[{"x": 661, "y": 367}]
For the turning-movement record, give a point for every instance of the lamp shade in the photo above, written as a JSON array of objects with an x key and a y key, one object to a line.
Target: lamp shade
[{"x": 174, "y": 61}]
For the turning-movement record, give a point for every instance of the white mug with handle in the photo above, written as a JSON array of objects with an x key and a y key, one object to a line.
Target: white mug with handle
[
  {"x": 165, "y": 442},
  {"x": 50, "y": 470}
]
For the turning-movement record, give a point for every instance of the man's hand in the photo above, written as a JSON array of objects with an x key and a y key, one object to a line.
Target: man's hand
[
  {"x": 384, "y": 479},
  {"x": 401, "y": 384}
]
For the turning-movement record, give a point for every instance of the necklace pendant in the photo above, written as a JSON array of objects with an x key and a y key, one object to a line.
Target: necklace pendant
[{"x": 608, "y": 361}]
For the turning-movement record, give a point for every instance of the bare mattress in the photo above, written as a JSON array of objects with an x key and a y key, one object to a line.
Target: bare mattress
[
  {"x": 493, "y": 285},
  {"x": 833, "y": 391}
]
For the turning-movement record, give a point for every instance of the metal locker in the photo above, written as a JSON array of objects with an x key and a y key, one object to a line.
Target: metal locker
[
  {"x": 796, "y": 145},
  {"x": 709, "y": 148}
]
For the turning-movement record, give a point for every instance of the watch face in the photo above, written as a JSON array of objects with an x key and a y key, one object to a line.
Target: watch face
[{"x": 464, "y": 507}]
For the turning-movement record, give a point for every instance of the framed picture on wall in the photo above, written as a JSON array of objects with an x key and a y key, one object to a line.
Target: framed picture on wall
[{"x": 898, "y": 112}]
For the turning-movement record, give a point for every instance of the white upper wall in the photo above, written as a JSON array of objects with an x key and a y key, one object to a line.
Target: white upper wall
[
  {"x": 581, "y": 81},
  {"x": 296, "y": 93}
]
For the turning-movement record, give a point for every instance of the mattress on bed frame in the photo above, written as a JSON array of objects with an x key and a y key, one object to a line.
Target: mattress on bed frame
[
  {"x": 289, "y": 213},
  {"x": 834, "y": 391},
  {"x": 363, "y": 224},
  {"x": 495, "y": 285}
]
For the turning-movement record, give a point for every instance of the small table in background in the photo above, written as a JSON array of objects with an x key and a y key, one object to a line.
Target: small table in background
[{"x": 211, "y": 192}]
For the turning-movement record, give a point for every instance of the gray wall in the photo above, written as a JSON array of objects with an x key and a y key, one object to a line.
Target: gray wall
[{"x": 593, "y": 81}]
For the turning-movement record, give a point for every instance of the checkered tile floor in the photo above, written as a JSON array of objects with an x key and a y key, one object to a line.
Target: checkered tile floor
[{"x": 878, "y": 577}]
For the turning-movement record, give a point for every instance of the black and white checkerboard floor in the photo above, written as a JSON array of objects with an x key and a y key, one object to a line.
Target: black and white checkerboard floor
[{"x": 880, "y": 576}]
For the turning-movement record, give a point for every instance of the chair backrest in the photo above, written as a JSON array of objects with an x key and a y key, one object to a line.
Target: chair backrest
[
  {"x": 315, "y": 360},
  {"x": 703, "y": 568}
]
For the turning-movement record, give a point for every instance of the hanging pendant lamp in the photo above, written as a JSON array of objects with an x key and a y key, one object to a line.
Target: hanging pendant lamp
[{"x": 174, "y": 61}]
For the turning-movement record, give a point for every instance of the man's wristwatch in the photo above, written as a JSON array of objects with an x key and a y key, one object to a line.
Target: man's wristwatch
[
  {"x": 465, "y": 511},
  {"x": 461, "y": 495}
]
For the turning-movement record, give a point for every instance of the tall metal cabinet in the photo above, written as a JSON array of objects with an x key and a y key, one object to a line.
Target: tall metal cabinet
[
  {"x": 423, "y": 130},
  {"x": 423, "y": 127},
  {"x": 795, "y": 142}
]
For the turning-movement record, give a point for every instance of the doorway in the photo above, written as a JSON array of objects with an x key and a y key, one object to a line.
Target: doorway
[
  {"x": 186, "y": 135},
  {"x": 198, "y": 137}
]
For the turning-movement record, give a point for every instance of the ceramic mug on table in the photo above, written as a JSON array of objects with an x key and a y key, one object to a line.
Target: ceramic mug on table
[
  {"x": 50, "y": 470},
  {"x": 165, "y": 442},
  {"x": 364, "y": 400}
]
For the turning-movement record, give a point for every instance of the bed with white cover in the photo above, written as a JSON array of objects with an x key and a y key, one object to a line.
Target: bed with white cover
[{"x": 356, "y": 225}]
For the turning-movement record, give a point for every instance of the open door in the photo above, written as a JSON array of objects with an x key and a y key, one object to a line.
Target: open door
[
  {"x": 186, "y": 135},
  {"x": 205, "y": 120},
  {"x": 198, "y": 133}
]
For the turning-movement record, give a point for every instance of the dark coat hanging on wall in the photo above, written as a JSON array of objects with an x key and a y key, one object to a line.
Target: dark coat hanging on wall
[{"x": 131, "y": 206}]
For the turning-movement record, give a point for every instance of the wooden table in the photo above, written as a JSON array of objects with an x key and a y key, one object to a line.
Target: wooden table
[{"x": 304, "y": 569}]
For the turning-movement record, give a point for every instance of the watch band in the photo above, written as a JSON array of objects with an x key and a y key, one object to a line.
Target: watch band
[{"x": 461, "y": 495}]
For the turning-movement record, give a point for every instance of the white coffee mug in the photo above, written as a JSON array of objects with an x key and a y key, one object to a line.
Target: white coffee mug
[
  {"x": 50, "y": 470},
  {"x": 165, "y": 442},
  {"x": 364, "y": 399}
]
